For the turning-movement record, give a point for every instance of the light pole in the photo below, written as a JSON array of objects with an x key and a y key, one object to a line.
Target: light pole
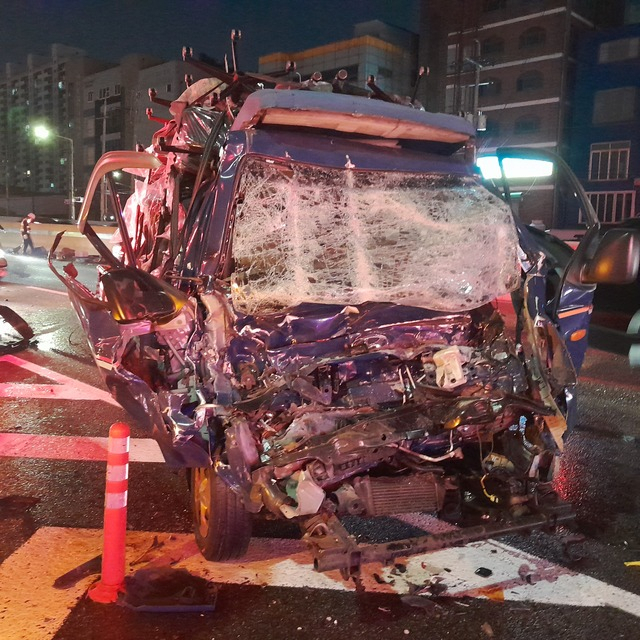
[{"x": 42, "y": 133}]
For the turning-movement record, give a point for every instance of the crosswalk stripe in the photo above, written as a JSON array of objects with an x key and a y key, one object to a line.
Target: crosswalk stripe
[
  {"x": 65, "y": 388},
  {"x": 43, "y": 289},
  {"x": 28, "y": 445},
  {"x": 281, "y": 563}
]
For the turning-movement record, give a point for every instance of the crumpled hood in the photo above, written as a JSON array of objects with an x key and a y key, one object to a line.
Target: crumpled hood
[
  {"x": 305, "y": 337},
  {"x": 308, "y": 323}
]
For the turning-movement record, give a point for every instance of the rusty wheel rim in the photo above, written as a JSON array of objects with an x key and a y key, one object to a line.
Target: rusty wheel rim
[{"x": 202, "y": 498}]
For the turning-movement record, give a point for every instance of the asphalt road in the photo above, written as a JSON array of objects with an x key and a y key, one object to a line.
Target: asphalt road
[{"x": 55, "y": 414}]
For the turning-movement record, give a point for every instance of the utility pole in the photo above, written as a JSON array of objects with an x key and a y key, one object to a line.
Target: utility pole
[
  {"x": 478, "y": 119},
  {"x": 6, "y": 165}
]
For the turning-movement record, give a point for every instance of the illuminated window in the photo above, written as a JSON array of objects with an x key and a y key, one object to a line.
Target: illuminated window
[{"x": 609, "y": 161}]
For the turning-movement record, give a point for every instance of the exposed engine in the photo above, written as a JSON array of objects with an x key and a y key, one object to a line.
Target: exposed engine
[{"x": 344, "y": 411}]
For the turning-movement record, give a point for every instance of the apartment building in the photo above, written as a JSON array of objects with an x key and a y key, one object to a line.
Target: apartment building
[
  {"x": 89, "y": 107},
  {"x": 110, "y": 108},
  {"x": 46, "y": 90},
  {"x": 115, "y": 104}
]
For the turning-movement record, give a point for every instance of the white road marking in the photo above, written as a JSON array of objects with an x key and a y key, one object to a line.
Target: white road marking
[
  {"x": 30, "y": 445},
  {"x": 59, "y": 293},
  {"x": 65, "y": 388},
  {"x": 30, "y": 608},
  {"x": 550, "y": 583},
  {"x": 53, "y": 551}
]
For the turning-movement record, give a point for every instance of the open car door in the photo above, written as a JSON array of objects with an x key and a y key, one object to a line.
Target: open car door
[{"x": 563, "y": 290}]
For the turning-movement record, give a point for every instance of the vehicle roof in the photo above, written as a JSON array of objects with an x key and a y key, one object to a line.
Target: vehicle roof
[{"x": 349, "y": 114}]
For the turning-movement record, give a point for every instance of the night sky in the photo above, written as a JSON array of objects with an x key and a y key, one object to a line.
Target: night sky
[{"x": 108, "y": 30}]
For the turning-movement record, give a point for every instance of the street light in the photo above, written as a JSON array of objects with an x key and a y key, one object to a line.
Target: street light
[{"x": 42, "y": 133}]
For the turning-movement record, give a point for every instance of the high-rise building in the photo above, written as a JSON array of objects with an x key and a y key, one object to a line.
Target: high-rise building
[
  {"x": 110, "y": 107},
  {"x": 88, "y": 106},
  {"x": 115, "y": 103},
  {"x": 47, "y": 90}
]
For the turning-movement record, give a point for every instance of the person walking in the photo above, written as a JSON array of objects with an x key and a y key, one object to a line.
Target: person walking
[{"x": 25, "y": 230}]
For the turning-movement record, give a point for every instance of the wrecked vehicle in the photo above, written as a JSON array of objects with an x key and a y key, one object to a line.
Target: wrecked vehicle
[{"x": 299, "y": 306}]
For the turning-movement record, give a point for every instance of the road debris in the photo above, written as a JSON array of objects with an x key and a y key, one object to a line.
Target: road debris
[
  {"x": 71, "y": 578},
  {"x": 435, "y": 587},
  {"x": 165, "y": 589},
  {"x": 420, "y": 602},
  {"x": 19, "y": 332},
  {"x": 144, "y": 557}
]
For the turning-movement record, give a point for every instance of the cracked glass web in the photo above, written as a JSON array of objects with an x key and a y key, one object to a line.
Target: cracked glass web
[{"x": 339, "y": 236}]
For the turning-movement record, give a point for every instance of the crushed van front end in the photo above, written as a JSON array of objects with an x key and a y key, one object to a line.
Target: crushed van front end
[{"x": 316, "y": 335}]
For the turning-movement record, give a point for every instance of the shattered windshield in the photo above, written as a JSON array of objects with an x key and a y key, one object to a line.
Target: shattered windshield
[{"x": 339, "y": 236}]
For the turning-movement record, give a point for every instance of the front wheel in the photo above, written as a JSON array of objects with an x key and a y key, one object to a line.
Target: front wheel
[{"x": 222, "y": 525}]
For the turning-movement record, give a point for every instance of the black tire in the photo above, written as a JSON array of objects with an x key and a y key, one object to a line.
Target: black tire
[{"x": 221, "y": 524}]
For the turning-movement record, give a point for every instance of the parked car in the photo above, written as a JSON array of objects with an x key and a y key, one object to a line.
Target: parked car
[{"x": 299, "y": 307}]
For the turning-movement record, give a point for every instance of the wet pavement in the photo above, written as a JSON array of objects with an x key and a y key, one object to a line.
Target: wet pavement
[{"x": 51, "y": 514}]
